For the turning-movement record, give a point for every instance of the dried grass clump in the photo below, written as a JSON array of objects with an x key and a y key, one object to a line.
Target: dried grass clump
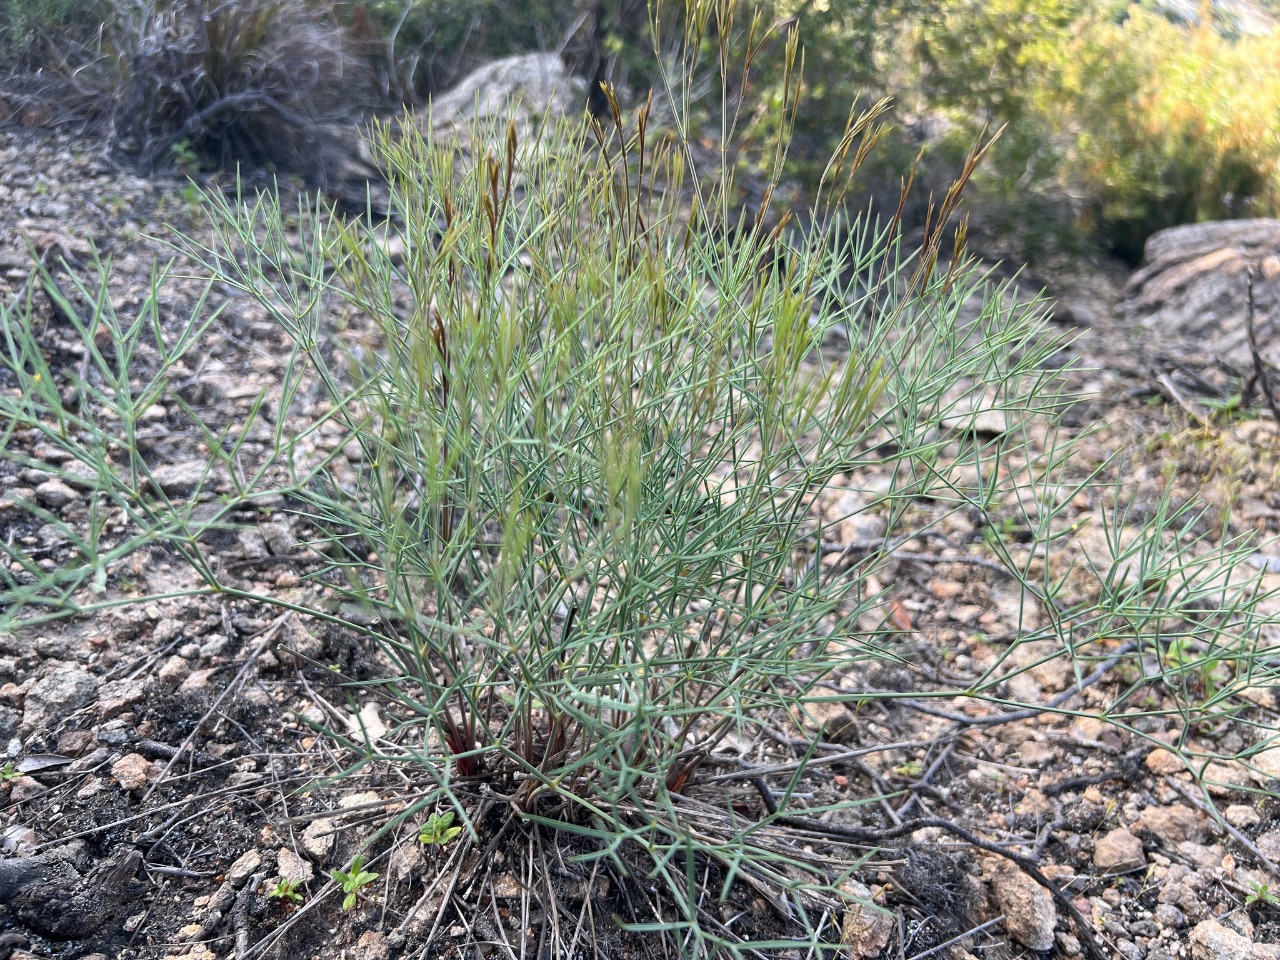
[{"x": 230, "y": 80}]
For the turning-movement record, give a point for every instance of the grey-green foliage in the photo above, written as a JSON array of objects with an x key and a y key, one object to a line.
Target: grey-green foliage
[
  {"x": 26, "y": 24},
  {"x": 591, "y": 431}
]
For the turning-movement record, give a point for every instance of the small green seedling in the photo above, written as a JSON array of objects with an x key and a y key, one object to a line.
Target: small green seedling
[
  {"x": 352, "y": 880},
  {"x": 9, "y": 772},
  {"x": 1260, "y": 892},
  {"x": 438, "y": 830},
  {"x": 284, "y": 890},
  {"x": 184, "y": 156}
]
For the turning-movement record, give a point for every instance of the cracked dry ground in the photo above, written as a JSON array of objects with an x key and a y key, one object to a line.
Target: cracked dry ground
[{"x": 158, "y": 751}]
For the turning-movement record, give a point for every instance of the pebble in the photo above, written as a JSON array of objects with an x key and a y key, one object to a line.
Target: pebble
[
  {"x": 1241, "y": 816},
  {"x": 1029, "y": 911},
  {"x": 1210, "y": 940},
  {"x": 243, "y": 868},
  {"x": 133, "y": 771},
  {"x": 59, "y": 693},
  {"x": 1174, "y": 823},
  {"x": 55, "y": 494},
  {"x": 1118, "y": 852},
  {"x": 318, "y": 839},
  {"x": 867, "y": 928},
  {"x": 290, "y": 866},
  {"x": 1266, "y": 764},
  {"x": 1161, "y": 761}
]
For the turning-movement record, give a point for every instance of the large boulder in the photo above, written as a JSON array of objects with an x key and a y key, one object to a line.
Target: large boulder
[
  {"x": 528, "y": 89},
  {"x": 1191, "y": 292}
]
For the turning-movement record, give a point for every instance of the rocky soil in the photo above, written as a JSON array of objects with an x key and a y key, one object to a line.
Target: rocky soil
[{"x": 164, "y": 776}]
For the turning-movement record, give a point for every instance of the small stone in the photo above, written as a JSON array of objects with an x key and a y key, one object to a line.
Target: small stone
[
  {"x": 22, "y": 789},
  {"x": 1206, "y": 857},
  {"x": 175, "y": 670},
  {"x": 55, "y": 494},
  {"x": 367, "y": 726},
  {"x": 63, "y": 691},
  {"x": 179, "y": 479},
  {"x": 133, "y": 771},
  {"x": 1210, "y": 940},
  {"x": 1241, "y": 816},
  {"x": 406, "y": 861},
  {"x": 1266, "y": 764},
  {"x": 198, "y": 680},
  {"x": 372, "y": 946},
  {"x": 318, "y": 839},
  {"x": 1269, "y": 844},
  {"x": 243, "y": 868},
  {"x": 867, "y": 928},
  {"x": 1033, "y": 753},
  {"x": 1174, "y": 824},
  {"x": 279, "y": 538},
  {"x": 1118, "y": 852},
  {"x": 1170, "y": 917},
  {"x": 1028, "y": 908},
  {"x": 292, "y": 867},
  {"x": 75, "y": 743},
  {"x": 1069, "y": 945},
  {"x": 1161, "y": 761}
]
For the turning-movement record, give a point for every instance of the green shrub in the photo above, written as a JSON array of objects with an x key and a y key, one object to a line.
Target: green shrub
[
  {"x": 1170, "y": 124},
  {"x": 588, "y": 441},
  {"x": 32, "y": 32}
]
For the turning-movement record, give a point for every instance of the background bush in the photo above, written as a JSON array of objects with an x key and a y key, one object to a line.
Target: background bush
[{"x": 1119, "y": 118}]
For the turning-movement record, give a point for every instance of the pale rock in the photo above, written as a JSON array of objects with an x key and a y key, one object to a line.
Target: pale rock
[
  {"x": 1087, "y": 729},
  {"x": 62, "y": 691},
  {"x": 279, "y": 538},
  {"x": 372, "y": 946},
  {"x": 1118, "y": 852},
  {"x": 133, "y": 771},
  {"x": 1269, "y": 845},
  {"x": 1028, "y": 908},
  {"x": 198, "y": 680},
  {"x": 1241, "y": 816},
  {"x": 180, "y": 479},
  {"x": 318, "y": 839},
  {"x": 1267, "y": 697},
  {"x": 1210, "y": 940},
  {"x": 24, "y": 789},
  {"x": 367, "y": 726},
  {"x": 55, "y": 494},
  {"x": 1223, "y": 779},
  {"x": 1174, "y": 824},
  {"x": 174, "y": 670},
  {"x": 292, "y": 867},
  {"x": 1161, "y": 761},
  {"x": 1206, "y": 857},
  {"x": 1266, "y": 765},
  {"x": 117, "y": 696},
  {"x": 867, "y": 927},
  {"x": 1024, "y": 688},
  {"x": 243, "y": 868},
  {"x": 1033, "y": 753},
  {"x": 406, "y": 861}
]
